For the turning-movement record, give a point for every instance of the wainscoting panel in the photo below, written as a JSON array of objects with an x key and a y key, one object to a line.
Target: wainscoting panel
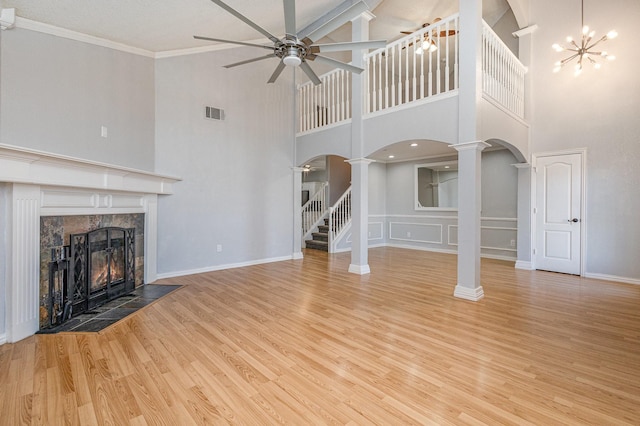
[
  {"x": 498, "y": 242},
  {"x": 376, "y": 236},
  {"x": 416, "y": 232}
]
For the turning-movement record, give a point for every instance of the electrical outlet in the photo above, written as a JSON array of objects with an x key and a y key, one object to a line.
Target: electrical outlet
[
  {"x": 103, "y": 131},
  {"x": 219, "y": 248},
  {"x": 408, "y": 234},
  {"x": 513, "y": 243}
]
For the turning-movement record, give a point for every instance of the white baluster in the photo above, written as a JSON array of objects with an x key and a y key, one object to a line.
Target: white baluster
[
  {"x": 393, "y": 75},
  {"x": 379, "y": 82},
  {"x": 374, "y": 82},
  {"x": 446, "y": 55},
  {"x": 414, "y": 58},
  {"x": 406, "y": 72}
]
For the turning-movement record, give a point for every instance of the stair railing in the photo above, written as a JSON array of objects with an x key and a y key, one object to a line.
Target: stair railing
[
  {"x": 339, "y": 217},
  {"x": 314, "y": 210}
]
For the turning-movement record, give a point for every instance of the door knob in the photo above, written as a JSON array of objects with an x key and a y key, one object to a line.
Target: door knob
[{"x": 574, "y": 220}]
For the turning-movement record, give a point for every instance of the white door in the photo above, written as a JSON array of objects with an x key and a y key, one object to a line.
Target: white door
[{"x": 558, "y": 211}]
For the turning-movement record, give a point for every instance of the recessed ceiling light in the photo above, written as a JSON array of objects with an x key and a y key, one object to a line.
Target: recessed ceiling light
[
  {"x": 447, "y": 167},
  {"x": 392, "y": 156},
  {"x": 414, "y": 144}
]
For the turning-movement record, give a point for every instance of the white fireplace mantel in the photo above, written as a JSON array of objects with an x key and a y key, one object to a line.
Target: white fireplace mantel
[
  {"x": 34, "y": 184},
  {"x": 21, "y": 165}
]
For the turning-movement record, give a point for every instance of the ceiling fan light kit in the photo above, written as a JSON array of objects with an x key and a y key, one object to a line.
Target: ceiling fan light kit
[
  {"x": 583, "y": 52},
  {"x": 296, "y": 49}
]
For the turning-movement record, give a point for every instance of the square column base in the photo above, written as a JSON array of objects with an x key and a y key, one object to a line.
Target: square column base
[
  {"x": 473, "y": 294},
  {"x": 359, "y": 269}
]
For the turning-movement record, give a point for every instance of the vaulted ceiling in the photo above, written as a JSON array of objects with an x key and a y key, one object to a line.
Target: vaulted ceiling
[{"x": 165, "y": 25}]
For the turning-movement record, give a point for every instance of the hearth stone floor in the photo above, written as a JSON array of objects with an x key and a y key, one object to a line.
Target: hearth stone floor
[{"x": 111, "y": 312}]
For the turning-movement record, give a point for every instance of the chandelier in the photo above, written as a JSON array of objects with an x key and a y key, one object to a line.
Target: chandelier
[{"x": 583, "y": 52}]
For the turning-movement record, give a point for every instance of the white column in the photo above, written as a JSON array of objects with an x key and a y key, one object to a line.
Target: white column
[
  {"x": 524, "y": 216},
  {"x": 359, "y": 216},
  {"x": 469, "y": 209},
  {"x": 359, "y": 32},
  {"x": 297, "y": 212},
  {"x": 359, "y": 165},
  {"x": 469, "y": 151},
  {"x": 470, "y": 90},
  {"x": 23, "y": 262},
  {"x": 150, "y": 238}
]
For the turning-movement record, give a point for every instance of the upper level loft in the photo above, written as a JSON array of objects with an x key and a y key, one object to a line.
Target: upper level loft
[{"x": 410, "y": 90}]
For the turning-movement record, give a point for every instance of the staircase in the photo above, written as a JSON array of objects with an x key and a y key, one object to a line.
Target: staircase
[
  {"x": 320, "y": 239},
  {"x": 334, "y": 225}
]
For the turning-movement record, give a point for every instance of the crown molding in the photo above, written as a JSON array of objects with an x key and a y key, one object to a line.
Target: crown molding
[{"x": 40, "y": 27}]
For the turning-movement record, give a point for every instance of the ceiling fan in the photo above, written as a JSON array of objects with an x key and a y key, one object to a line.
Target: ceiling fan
[
  {"x": 428, "y": 43},
  {"x": 297, "y": 48}
]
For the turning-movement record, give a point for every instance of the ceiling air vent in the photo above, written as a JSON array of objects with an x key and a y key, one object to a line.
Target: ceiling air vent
[{"x": 213, "y": 113}]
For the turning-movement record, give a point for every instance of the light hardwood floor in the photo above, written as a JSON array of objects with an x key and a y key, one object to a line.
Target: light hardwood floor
[{"x": 304, "y": 342}]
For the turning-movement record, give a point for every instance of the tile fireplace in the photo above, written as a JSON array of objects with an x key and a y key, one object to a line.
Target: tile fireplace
[{"x": 37, "y": 186}]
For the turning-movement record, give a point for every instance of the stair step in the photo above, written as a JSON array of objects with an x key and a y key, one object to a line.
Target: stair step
[
  {"x": 317, "y": 245},
  {"x": 320, "y": 236},
  {"x": 323, "y": 229}
]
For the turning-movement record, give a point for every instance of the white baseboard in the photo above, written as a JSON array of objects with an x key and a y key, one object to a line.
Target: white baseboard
[
  {"x": 3, "y": 338},
  {"x": 523, "y": 264},
  {"x": 222, "y": 267},
  {"x": 297, "y": 256},
  {"x": 410, "y": 247},
  {"x": 359, "y": 269},
  {"x": 497, "y": 257},
  {"x": 342, "y": 250},
  {"x": 615, "y": 278},
  {"x": 467, "y": 293}
]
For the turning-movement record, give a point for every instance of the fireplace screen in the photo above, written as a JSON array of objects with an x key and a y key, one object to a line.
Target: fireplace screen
[{"x": 102, "y": 266}]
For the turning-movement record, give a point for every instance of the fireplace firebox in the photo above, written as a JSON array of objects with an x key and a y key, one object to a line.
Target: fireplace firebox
[
  {"x": 96, "y": 267},
  {"x": 102, "y": 266}
]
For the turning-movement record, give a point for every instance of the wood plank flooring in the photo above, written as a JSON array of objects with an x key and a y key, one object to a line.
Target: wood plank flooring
[{"x": 304, "y": 342}]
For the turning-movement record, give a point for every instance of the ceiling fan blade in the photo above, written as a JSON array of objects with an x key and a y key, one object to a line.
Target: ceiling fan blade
[
  {"x": 338, "y": 64},
  {"x": 309, "y": 72},
  {"x": 290, "y": 17},
  {"x": 333, "y": 20},
  {"x": 277, "y": 72},
  {"x": 233, "y": 42},
  {"x": 339, "y": 47},
  {"x": 246, "y": 20},
  {"x": 248, "y": 61}
]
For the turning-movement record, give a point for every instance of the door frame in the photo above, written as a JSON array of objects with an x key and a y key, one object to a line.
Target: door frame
[{"x": 583, "y": 202}]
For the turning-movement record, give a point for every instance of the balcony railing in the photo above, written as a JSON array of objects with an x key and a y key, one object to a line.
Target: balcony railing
[
  {"x": 415, "y": 68},
  {"x": 502, "y": 73},
  {"x": 326, "y": 103}
]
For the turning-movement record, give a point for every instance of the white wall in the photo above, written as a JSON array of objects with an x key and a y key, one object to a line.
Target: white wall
[
  {"x": 597, "y": 111},
  {"x": 237, "y": 188},
  {"x": 377, "y": 188},
  {"x": 499, "y": 184},
  {"x": 55, "y": 94},
  {"x": 4, "y": 211},
  {"x": 505, "y": 27}
]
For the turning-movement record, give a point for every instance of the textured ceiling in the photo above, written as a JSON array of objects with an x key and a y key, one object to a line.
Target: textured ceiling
[{"x": 165, "y": 25}]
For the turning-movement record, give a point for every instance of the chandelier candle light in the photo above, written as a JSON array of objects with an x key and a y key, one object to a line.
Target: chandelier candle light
[{"x": 583, "y": 52}]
